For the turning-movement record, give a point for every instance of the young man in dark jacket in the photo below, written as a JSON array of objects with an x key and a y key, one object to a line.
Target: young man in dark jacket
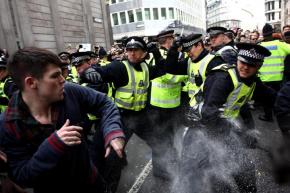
[{"x": 43, "y": 129}]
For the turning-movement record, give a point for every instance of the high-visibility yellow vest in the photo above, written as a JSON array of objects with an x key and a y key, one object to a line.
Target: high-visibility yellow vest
[
  {"x": 197, "y": 69},
  {"x": 273, "y": 66},
  {"x": 103, "y": 62},
  {"x": 133, "y": 96},
  {"x": 236, "y": 99},
  {"x": 73, "y": 76},
  {"x": 2, "y": 94},
  {"x": 166, "y": 90}
]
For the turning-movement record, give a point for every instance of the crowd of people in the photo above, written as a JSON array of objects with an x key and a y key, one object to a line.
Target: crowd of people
[{"x": 66, "y": 118}]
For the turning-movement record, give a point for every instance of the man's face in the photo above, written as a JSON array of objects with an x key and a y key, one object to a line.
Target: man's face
[
  {"x": 254, "y": 38},
  {"x": 216, "y": 40},
  {"x": 51, "y": 86},
  {"x": 195, "y": 51},
  {"x": 170, "y": 40},
  {"x": 135, "y": 55},
  {"x": 245, "y": 70},
  {"x": 82, "y": 67}
]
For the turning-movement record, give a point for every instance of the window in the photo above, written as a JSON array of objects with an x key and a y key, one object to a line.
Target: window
[
  {"x": 273, "y": 16},
  {"x": 171, "y": 13},
  {"x": 163, "y": 13},
  {"x": 113, "y": 1},
  {"x": 155, "y": 13},
  {"x": 279, "y": 4},
  {"x": 131, "y": 16},
  {"x": 147, "y": 14},
  {"x": 123, "y": 17},
  {"x": 268, "y": 6},
  {"x": 268, "y": 16},
  {"x": 115, "y": 19},
  {"x": 273, "y": 5},
  {"x": 139, "y": 14}
]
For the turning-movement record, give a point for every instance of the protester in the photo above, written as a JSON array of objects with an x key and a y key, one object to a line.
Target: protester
[{"x": 43, "y": 131}]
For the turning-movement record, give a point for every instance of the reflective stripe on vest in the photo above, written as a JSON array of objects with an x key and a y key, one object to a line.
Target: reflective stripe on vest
[
  {"x": 273, "y": 66},
  {"x": 133, "y": 96},
  {"x": 197, "y": 69},
  {"x": 166, "y": 90},
  {"x": 225, "y": 48}
]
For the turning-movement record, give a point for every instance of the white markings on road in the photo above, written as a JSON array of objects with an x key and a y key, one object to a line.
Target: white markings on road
[{"x": 141, "y": 178}]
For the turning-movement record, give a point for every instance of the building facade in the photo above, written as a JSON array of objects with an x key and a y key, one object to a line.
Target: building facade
[
  {"x": 285, "y": 13},
  {"x": 149, "y": 17},
  {"x": 231, "y": 14},
  {"x": 273, "y": 13},
  {"x": 56, "y": 25}
]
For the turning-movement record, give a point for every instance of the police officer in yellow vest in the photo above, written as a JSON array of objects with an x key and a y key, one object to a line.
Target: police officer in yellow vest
[
  {"x": 130, "y": 80},
  {"x": 215, "y": 125},
  {"x": 3, "y": 77},
  {"x": 198, "y": 63},
  {"x": 165, "y": 101},
  {"x": 271, "y": 73}
]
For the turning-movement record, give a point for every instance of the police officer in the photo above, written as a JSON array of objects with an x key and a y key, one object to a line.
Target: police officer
[
  {"x": 130, "y": 79},
  {"x": 165, "y": 101},
  {"x": 215, "y": 126},
  {"x": 198, "y": 63},
  {"x": 271, "y": 73},
  {"x": 82, "y": 62},
  {"x": 3, "y": 79},
  {"x": 219, "y": 46},
  {"x": 69, "y": 72}
]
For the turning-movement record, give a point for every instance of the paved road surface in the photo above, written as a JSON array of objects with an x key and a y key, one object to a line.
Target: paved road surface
[{"x": 137, "y": 175}]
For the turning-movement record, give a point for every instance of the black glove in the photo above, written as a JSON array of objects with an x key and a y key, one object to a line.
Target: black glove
[
  {"x": 91, "y": 76},
  {"x": 177, "y": 42},
  {"x": 152, "y": 46},
  {"x": 198, "y": 79}
]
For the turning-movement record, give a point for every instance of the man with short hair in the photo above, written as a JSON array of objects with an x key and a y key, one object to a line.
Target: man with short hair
[
  {"x": 43, "y": 131},
  {"x": 220, "y": 47}
]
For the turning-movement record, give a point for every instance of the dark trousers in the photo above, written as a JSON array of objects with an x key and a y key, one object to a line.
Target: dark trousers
[
  {"x": 156, "y": 127},
  {"x": 109, "y": 168},
  {"x": 164, "y": 153},
  {"x": 268, "y": 109}
]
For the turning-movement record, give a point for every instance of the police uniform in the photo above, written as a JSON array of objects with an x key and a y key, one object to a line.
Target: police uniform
[
  {"x": 226, "y": 51},
  {"x": 195, "y": 69},
  {"x": 215, "y": 110},
  {"x": 3, "y": 97},
  {"x": 130, "y": 88},
  {"x": 272, "y": 71},
  {"x": 165, "y": 102},
  {"x": 96, "y": 82}
]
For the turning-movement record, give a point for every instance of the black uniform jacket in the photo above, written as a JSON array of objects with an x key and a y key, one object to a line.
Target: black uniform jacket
[
  {"x": 173, "y": 66},
  {"x": 218, "y": 85}
]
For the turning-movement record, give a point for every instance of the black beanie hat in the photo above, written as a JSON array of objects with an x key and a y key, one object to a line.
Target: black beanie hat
[{"x": 267, "y": 30}]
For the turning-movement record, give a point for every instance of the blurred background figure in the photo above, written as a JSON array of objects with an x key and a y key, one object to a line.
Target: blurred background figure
[{"x": 254, "y": 36}]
